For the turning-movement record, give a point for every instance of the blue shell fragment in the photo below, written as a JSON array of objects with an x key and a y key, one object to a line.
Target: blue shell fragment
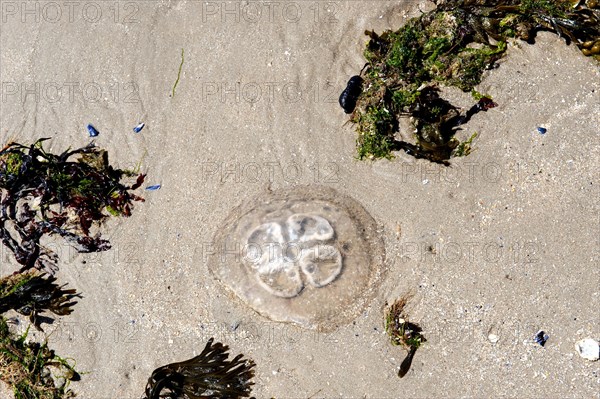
[
  {"x": 542, "y": 130},
  {"x": 139, "y": 127},
  {"x": 541, "y": 337},
  {"x": 153, "y": 188},
  {"x": 92, "y": 130}
]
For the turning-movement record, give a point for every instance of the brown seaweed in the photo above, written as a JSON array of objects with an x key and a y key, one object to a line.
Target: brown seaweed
[
  {"x": 31, "y": 293},
  {"x": 44, "y": 194},
  {"x": 208, "y": 375},
  {"x": 402, "y": 332},
  {"x": 41, "y": 195}
]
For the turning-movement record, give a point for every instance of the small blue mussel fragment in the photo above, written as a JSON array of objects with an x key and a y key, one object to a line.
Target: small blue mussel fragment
[
  {"x": 542, "y": 130},
  {"x": 153, "y": 188},
  {"x": 541, "y": 337},
  {"x": 92, "y": 130},
  {"x": 139, "y": 127}
]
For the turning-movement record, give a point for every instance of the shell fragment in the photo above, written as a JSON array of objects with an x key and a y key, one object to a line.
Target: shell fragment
[{"x": 588, "y": 348}]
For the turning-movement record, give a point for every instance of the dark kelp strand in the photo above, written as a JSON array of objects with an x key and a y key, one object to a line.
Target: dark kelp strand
[
  {"x": 31, "y": 293},
  {"x": 208, "y": 375}
]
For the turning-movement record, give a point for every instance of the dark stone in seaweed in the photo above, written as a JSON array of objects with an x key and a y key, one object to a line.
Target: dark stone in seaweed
[{"x": 350, "y": 94}]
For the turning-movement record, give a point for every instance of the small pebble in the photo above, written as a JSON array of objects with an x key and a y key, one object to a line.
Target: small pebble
[
  {"x": 493, "y": 338},
  {"x": 153, "y": 188},
  {"x": 588, "y": 348},
  {"x": 92, "y": 130},
  {"x": 139, "y": 127},
  {"x": 542, "y": 130},
  {"x": 541, "y": 337}
]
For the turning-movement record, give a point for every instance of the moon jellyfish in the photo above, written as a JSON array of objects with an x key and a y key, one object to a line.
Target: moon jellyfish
[{"x": 307, "y": 255}]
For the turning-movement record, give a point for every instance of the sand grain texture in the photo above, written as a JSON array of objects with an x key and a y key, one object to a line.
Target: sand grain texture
[{"x": 505, "y": 241}]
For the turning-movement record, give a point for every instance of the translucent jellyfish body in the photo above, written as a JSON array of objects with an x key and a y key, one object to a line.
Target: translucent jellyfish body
[{"x": 308, "y": 255}]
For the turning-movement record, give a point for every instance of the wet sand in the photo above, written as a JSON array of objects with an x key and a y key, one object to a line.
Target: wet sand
[{"x": 503, "y": 242}]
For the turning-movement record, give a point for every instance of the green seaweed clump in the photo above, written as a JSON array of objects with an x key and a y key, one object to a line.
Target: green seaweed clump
[
  {"x": 208, "y": 375},
  {"x": 32, "y": 292},
  {"x": 31, "y": 369},
  {"x": 452, "y": 46},
  {"x": 402, "y": 332},
  {"x": 44, "y": 194},
  {"x": 465, "y": 148}
]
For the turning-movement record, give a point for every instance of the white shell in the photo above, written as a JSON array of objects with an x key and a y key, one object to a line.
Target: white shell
[{"x": 588, "y": 348}]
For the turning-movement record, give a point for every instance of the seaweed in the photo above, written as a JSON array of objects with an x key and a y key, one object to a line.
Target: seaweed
[
  {"x": 465, "y": 148},
  {"x": 31, "y": 369},
  {"x": 208, "y": 375},
  {"x": 178, "y": 76},
  {"x": 32, "y": 292},
  {"x": 44, "y": 194},
  {"x": 402, "y": 332},
  {"x": 452, "y": 46}
]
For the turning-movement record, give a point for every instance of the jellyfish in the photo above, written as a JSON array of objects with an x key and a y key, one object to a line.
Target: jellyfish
[{"x": 307, "y": 255}]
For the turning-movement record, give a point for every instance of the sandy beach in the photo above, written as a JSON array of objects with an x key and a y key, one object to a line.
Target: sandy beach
[{"x": 506, "y": 241}]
